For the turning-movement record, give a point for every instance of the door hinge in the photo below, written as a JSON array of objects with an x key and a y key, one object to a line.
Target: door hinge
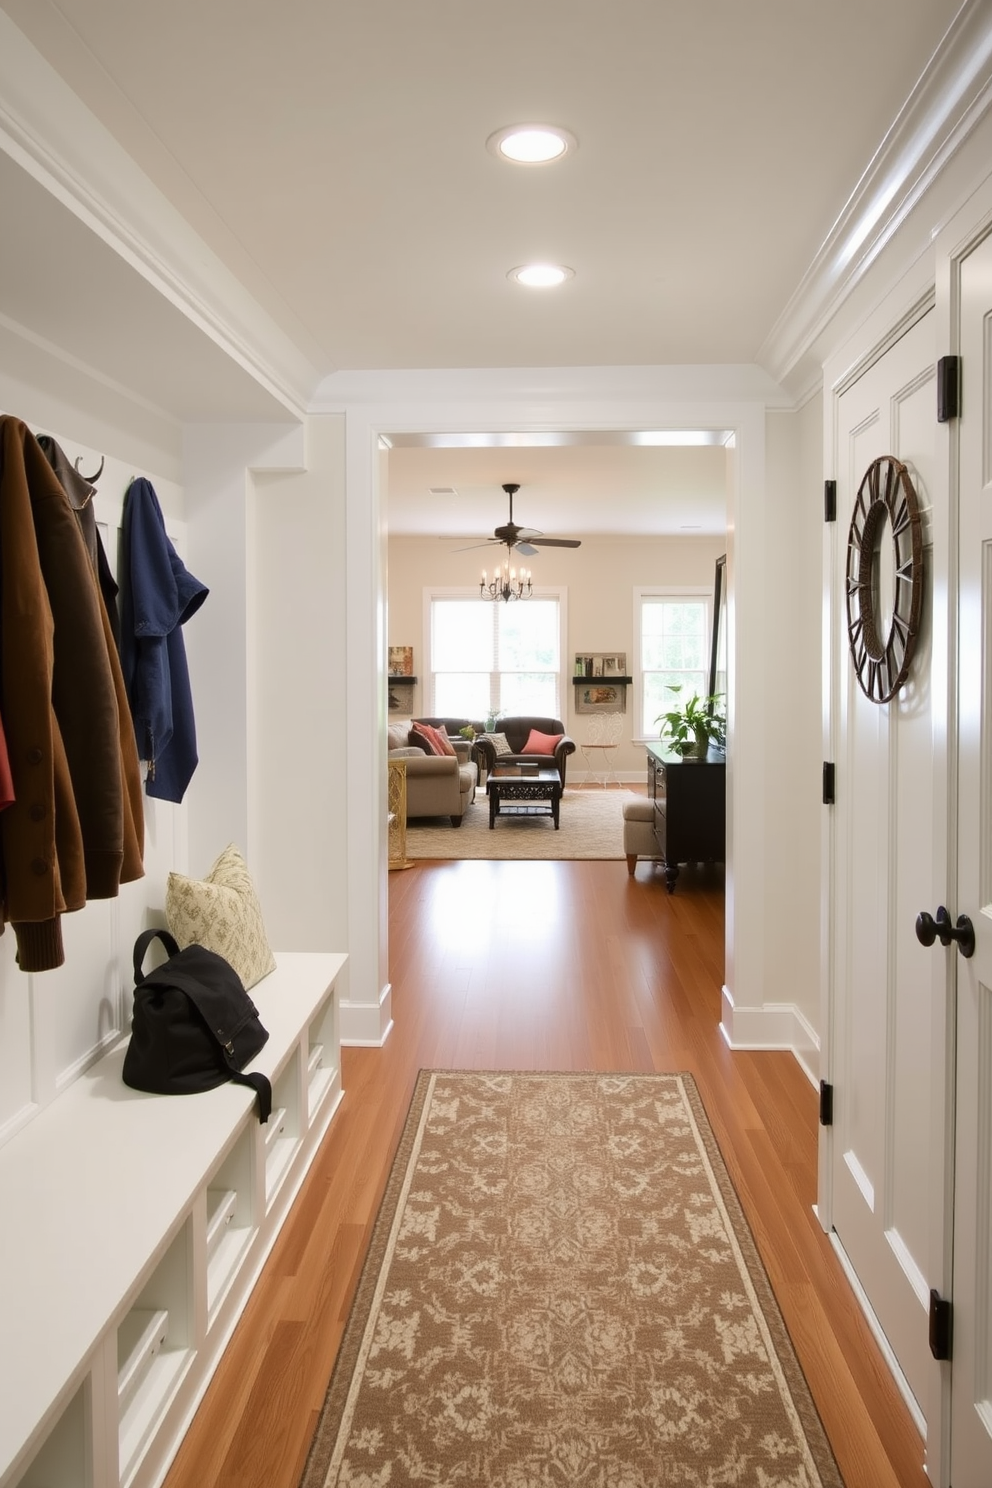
[
  {"x": 948, "y": 388},
  {"x": 940, "y": 1326},
  {"x": 828, "y": 782},
  {"x": 830, "y": 501},
  {"x": 826, "y": 1104}
]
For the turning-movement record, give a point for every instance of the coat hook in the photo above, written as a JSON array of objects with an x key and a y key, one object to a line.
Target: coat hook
[{"x": 91, "y": 478}]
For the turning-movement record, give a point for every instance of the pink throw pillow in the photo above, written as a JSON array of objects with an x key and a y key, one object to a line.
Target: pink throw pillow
[
  {"x": 538, "y": 743},
  {"x": 436, "y": 739}
]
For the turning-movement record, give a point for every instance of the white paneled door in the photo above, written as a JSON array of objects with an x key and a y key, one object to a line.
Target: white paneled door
[
  {"x": 971, "y": 1367},
  {"x": 889, "y": 855}
]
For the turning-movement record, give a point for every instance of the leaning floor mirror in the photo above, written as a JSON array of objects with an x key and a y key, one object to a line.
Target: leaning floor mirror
[{"x": 718, "y": 645}]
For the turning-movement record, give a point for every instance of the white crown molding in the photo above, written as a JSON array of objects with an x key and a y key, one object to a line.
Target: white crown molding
[
  {"x": 543, "y": 388},
  {"x": 50, "y": 133},
  {"x": 944, "y": 108}
]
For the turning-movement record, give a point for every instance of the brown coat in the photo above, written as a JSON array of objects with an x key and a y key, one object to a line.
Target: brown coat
[{"x": 72, "y": 832}]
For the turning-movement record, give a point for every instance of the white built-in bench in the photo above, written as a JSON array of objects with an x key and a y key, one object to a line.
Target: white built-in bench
[{"x": 133, "y": 1229}]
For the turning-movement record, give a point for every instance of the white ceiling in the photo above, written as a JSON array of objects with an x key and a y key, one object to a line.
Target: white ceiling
[
  {"x": 598, "y": 485},
  {"x": 332, "y": 157}
]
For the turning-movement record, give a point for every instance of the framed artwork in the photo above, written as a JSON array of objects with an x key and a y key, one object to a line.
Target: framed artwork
[
  {"x": 400, "y": 661},
  {"x": 615, "y": 666},
  {"x": 601, "y": 698}
]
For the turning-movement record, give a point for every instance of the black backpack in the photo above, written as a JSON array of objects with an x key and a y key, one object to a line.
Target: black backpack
[{"x": 193, "y": 1026}]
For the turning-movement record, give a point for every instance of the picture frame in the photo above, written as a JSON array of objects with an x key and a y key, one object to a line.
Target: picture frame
[
  {"x": 602, "y": 697},
  {"x": 400, "y": 661},
  {"x": 615, "y": 666}
]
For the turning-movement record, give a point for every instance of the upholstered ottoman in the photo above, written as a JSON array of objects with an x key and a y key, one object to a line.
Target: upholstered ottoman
[{"x": 639, "y": 840}]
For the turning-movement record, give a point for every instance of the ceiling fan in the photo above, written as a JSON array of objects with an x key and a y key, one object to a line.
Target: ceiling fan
[{"x": 523, "y": 539}]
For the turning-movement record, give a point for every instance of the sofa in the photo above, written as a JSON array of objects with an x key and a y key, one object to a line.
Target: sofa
[
  {"x": 517, "y": 731},
  {"x": 436, "y": 784}
]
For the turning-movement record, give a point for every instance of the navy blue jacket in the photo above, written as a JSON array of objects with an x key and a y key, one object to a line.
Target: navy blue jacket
[{"x": 158, "y": 595}]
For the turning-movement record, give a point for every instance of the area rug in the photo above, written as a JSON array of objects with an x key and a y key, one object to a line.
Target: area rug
[
  {"x": 562, "y": 1292},
  {"x": 590, "y": 826}
]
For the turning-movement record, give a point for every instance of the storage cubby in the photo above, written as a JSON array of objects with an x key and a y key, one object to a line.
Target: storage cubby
[
  {"x": 123, "y": 1283},
  {"x": 281, "y": 1133},
  {"x": 323, "y": 1055},
  {"x": 231, "y": 1219},
  {"x": 154, "y": 1349}
]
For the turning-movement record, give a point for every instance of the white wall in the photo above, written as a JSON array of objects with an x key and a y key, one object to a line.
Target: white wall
[
  {"x": 599, "y": 579},
  {"x": 793, "y": 726},
  {"x": 269, "y": 530},
  {"x": 298, "y": 588}
]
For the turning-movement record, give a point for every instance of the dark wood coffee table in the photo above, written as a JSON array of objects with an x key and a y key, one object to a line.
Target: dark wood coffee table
[{"x": 512, "y": 793}]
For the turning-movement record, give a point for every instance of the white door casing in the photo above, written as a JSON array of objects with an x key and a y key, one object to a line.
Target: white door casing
[
  {"x": 971, "y": 1367},
  {"x": 889, "y": 852}
]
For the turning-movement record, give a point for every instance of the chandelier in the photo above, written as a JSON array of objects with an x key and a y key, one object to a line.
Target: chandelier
[{"x": 506, "y": 583}]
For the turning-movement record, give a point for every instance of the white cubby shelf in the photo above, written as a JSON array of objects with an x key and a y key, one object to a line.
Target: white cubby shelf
[{"x": 135, "y": 1229}]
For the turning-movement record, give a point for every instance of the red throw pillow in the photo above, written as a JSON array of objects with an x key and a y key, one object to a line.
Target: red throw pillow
[
  {"x": 436, "y": 739},
  {"x": 538, "y": 743}
]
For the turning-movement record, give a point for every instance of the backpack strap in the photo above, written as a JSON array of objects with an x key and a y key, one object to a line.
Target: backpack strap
[
  {"x": 141, "y": 945},
  {"x": 262, "y": 1088}
]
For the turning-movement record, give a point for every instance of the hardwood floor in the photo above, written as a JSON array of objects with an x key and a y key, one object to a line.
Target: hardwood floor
[{"x": 567, "y": 965}]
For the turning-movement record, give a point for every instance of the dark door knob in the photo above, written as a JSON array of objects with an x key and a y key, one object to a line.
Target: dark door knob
[{"x": 929, "y": 929}]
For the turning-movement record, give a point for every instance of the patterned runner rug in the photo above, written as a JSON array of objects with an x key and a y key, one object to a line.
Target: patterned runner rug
[{"x": 562, "y": 1292}]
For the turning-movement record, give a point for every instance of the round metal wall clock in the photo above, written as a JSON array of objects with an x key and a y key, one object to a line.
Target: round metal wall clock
[{"x": 886, "y": 511}]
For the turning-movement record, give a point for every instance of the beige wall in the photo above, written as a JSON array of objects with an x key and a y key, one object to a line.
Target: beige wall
[{"x": 599, "y": 579}]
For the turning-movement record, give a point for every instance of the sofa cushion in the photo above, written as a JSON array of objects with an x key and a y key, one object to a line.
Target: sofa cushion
[
  {"x": 397, "y": 736},
  {"x": 436, "y": 739},
  {"x": 500, "y": 743},
  {"x": 538, "y": 743}
]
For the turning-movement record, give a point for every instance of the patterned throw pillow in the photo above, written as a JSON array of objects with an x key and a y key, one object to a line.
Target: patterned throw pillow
[
  {"x": 538, "y": 743},
  {"x": 499, "y": 742},
  {"x": 436, "y": 739},
  {"x": 222, "y": 912}
]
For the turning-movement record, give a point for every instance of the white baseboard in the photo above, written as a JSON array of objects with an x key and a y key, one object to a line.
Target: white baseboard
[
  {"x": 902, "y": 1382},
  {"x": 367, "y": 1025},
  {"x": 774, "y": 1025}
]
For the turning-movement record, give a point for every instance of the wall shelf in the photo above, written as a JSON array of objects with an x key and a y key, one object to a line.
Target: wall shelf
[{"x": 610, "y": 681}]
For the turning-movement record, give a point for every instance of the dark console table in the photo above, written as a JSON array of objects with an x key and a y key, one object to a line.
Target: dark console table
[{"x": 690, "y": 809}]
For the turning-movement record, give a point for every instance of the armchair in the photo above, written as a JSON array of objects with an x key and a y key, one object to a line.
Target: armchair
[{"x": 517, "y": 731}]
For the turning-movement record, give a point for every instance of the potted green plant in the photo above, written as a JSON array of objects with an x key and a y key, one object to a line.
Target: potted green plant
[
  {"x": 468, "y": 732},
  {"x": 694, "y": 725}
]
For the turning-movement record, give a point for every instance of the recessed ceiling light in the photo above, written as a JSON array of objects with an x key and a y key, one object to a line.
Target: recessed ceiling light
[
  {"x": 541, "y": 275},
  {"x": 531, "y": 144}
]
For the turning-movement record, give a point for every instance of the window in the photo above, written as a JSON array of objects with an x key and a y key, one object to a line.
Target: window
[
  {"x": 673, "y": 632},
  {"x": 488, "y": 657}
]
